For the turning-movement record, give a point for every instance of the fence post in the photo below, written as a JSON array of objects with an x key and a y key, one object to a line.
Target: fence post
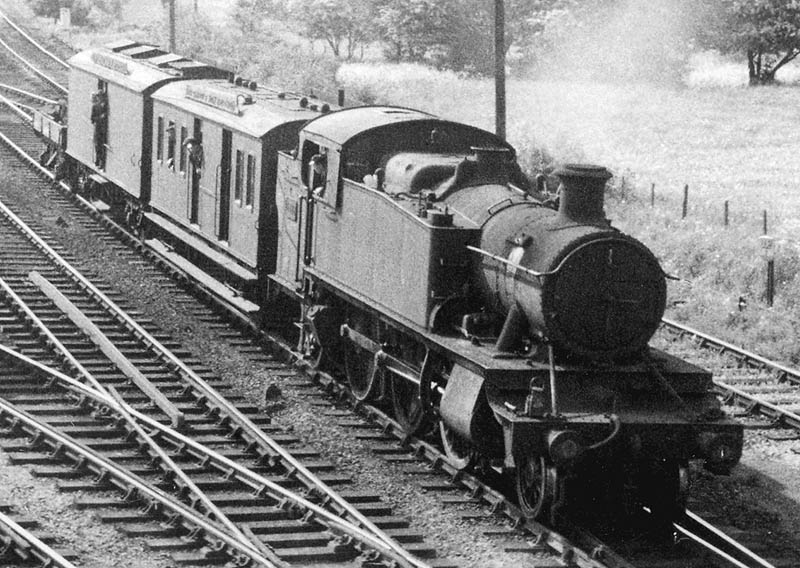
[
  {"x": 685, "y": 201},
  {"x": 725, "y": 214},
  {"x": 765, "y": 221},
  {"x": 770, "y": 281},
  {"x": 652, "y": 195},
  {"x": 768, "y": 253}
]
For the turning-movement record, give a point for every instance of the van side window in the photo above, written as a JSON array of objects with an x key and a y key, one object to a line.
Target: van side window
[
  {"x": 251, "y": 180},
  {"x": 184, "y": 134},
  {"x": 239, "y": 181},
  {"x": 160, "y": 139},
  {"x": 171, "y": 145}
]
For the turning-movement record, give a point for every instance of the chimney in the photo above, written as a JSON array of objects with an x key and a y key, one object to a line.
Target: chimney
[{"x": 581, "y": 198}]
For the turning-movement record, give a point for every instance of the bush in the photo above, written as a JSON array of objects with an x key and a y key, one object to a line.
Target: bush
[{"x": 722, "y": 275}]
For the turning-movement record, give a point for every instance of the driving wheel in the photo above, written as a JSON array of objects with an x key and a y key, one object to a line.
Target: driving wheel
[
  {"x": 408, "y": 408},
  {"x": 359, "y": 363},
  {"x": 460, "y": 452}
]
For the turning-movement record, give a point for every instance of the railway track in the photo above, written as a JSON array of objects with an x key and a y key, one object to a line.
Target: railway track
[
  {"x": 478, "y": 490},
  {"x": 757, "y": 385},
  {"x": 38, "y": 72}
]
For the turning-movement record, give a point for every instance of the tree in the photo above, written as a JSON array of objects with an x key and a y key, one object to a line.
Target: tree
[
  {"x": 456, "y": 34},
  {"x": 249, "y": 15},
  {"x": 412, "y": 28},
  {"x": 342, "y": 24},
  {"x": 52, "y": 8},
  {"x": 766, "y": 32}
]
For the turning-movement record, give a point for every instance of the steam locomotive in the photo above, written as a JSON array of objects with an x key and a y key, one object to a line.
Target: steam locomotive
[{"x": 426, "y": 270}]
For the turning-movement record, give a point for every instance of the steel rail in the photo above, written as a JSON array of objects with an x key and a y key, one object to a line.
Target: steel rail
[
  {"x": 49, "y": 336},
  {"x": 108, "y": 470},
  {"x": 30, "y": 95},
  {"x": 731, "y": 393},
  {"x": 181, "y": 478},
  {"x": 212, "y": 397},
  {"x": 755, "y": 404},
  {"x": 28, "y": 544},
  {"x": 33, "y": 68},
  {"x": 27, "y": 36},
  {"x": 86, "y": 326},
  {"x": 693, "y": 524},
  {"x": 261, "y": 486},
  {"x": 15, "y": 108},
  {"x": 755, "y": 361},
  {"x": 123, "y": 409}
]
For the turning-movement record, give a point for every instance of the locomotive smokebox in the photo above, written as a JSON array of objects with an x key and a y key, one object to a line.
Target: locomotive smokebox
[
  {"x": 581, "y": 195},
  {"x": 579, "y": 284}
]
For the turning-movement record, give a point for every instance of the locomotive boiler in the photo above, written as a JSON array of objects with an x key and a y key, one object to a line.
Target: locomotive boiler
[{"x": 461, "y": 300}]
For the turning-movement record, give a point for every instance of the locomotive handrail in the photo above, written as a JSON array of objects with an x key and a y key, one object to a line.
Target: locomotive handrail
[
  {"x": 300, "y": 227},
  {"x": 507, "y": 262},
  {"x": 561, "y": 264}
]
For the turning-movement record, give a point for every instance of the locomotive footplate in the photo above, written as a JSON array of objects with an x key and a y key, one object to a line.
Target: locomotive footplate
[{"x": 662, "y": 408}]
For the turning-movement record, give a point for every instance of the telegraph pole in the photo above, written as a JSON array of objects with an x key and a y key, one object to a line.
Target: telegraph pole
[
  {"x": 172, "y": 26},
  {"x": 499, "y": 68}
]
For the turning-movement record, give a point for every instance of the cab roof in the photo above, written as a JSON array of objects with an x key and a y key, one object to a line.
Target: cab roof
[
  {"x": 338, "y": 127},
  {"x": 139, "y": 67},
  {"x": 384, "y": 129},
  {"x": 249, "y": 108}
]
